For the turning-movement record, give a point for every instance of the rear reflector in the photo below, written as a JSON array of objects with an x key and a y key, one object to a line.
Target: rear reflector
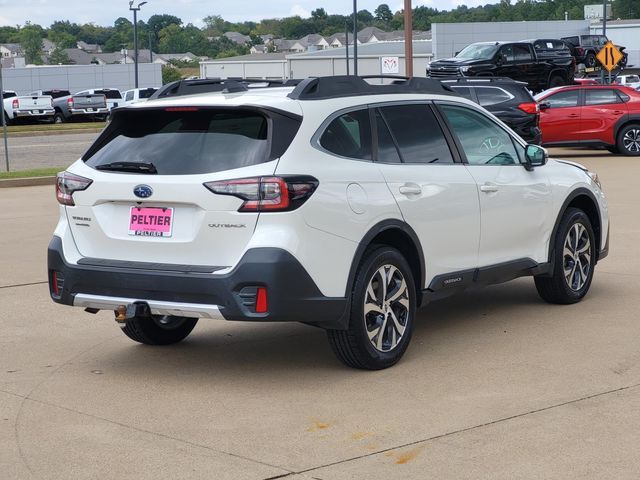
[
  {"x": 57, "y": 284},
  {"x": 531, "y": 107},
  {"x": 261, "y": 300}
]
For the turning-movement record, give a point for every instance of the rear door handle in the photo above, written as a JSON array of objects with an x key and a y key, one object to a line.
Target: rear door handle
[
  {"x": 488, "y": 188},
  {"x": 410, "y": 189},
  {"x": 618, "y": 112},
  {"x": 574, "y": 115}
]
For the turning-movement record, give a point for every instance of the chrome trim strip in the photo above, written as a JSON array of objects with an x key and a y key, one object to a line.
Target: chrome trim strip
[{"x": 157, "y": 307}]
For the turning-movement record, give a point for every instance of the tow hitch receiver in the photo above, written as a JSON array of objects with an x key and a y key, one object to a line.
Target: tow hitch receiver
[{"x": 125, "y": 312}]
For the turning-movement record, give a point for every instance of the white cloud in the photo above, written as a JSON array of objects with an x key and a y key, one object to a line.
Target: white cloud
[{"x": 299, "y": 11}]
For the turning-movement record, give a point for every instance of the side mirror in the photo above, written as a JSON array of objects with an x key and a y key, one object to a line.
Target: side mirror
[
  {"x": 545, "y": 106},
  {"x": 535, "y": 156}
]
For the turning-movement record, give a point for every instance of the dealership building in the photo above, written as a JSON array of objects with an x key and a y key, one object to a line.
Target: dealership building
[{"x": 388, "y": 57}]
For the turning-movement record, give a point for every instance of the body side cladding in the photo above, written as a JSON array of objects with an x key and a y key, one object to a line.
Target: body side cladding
[
  {"x": 386, "y": 226},
  {"x": 456, "y": 282}
]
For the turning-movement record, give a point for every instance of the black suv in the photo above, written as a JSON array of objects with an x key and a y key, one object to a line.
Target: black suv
[
  {"x": 584, "y": 48},
  {"x": 507, "y": 99}
]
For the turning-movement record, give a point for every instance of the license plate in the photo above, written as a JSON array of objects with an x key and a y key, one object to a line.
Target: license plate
[
  {"x": 90, "y": 109},
  {"x": 150, "y": 221}
]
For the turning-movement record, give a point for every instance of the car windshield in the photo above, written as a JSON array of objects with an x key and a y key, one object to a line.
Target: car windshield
[{"x": 477, "y": 51}]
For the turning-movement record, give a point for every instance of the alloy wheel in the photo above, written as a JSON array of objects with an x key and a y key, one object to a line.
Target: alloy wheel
[
  {"x": 577, "y": 257},
  {"x": 386, "y": 308},
  {"x": 631, "y": 140}
]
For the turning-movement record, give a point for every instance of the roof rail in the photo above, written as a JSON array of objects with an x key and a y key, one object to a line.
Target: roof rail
[
  {"x": 319, "y": 88},
  {"x": 209, "y": 85},
  {"x": 479, "y": 80}
]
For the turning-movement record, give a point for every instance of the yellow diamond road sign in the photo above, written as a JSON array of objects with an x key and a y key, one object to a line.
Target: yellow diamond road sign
[{"x": 609, "y": 56}]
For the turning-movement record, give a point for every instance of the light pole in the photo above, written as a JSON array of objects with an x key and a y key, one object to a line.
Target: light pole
[{"x": 135, "y": 11}]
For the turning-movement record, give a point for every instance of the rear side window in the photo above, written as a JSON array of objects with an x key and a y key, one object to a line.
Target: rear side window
[
  {"x": 185, "y": 142},
  {"x": 572, "y": 40},
  {"x": 601, "y": 97},
  {"x": 463, "y": 92},
  {"x": 349, "y": 135},
  {"x": 417, "y": 133},
  {"x": 147, "y": 92},
  {"x": 492, "y": 95},
  {"x": 387, "y": 150},
  {"x": 522, "y": 53},
  {"x": 129, "y": 96},
  {"x": 563, "y": 99},
  {"x": 111, "y": 94}
]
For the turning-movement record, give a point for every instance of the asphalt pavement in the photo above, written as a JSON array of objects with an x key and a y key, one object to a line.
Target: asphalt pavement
[
  {"x": 26, "y": 153},
  {"x": 496, "y": 384}
]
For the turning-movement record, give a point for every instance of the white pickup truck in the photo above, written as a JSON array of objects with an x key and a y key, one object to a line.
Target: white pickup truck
[
  {"x": 27, "y": 107},
  {"x": 632, "y": 81},
  {"x": 138, "y": 95}
]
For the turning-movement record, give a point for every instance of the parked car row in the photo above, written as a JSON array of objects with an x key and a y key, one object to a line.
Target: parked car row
[{"x": 59, "y": 106}]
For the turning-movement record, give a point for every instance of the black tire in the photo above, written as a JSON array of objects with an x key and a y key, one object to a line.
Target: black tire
[
  {"x": 159, "y": 329},
  {"x": 353, "y": 346},
  {"x": 614, "y": 150},
  {"x": 556, "y": 288},
  {"x": 590, "y": 60},
  {"x": 58, "y": 118},
  {"x": 628, "y": 140},
  {"x": 7, "y": 120},
  {"x": 556, "y": 81}
]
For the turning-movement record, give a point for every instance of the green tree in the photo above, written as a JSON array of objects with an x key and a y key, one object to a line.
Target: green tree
[
  {"x": 31, "y": 41},
  {"x": 62, "y": 39},
  {"x": 170, "y": 74},
  {"x": 383, "y": 15},
  {"x": 59, "y": 57},
  {"x": 157, "y": 22}
]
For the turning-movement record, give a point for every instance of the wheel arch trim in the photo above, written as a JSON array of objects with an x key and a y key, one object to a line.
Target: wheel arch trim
[
  {"x": 577, "y": 193},
  {"x": 367, "y": 239}
]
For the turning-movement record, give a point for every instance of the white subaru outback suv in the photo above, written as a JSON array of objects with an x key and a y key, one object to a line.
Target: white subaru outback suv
[{"x": 337, "y": 203}]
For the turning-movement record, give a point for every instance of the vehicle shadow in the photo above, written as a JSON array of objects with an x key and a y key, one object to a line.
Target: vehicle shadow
[{"x": 240, "y": 351}]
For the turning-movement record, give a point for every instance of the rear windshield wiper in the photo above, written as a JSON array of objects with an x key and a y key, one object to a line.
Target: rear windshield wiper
[{"x": 133, "y": 167}]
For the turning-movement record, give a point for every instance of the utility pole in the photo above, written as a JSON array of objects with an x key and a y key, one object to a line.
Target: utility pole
[
  {"x": 150, "y": 49},
  {"x": 408, "y": 39},
  {"x": 346, "y": 36},
  {"x": 4, "y": 123},
  {"x": 604, "y": 33},
  {"x": 135, "y": 11},
  {"x": 355, "y": 37}
]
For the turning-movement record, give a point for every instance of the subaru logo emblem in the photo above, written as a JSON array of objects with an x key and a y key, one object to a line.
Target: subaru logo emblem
[{"x": 143, "y": 191}]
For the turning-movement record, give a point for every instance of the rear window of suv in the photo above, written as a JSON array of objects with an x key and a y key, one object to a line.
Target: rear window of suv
[{"x": 185, "y": 142}]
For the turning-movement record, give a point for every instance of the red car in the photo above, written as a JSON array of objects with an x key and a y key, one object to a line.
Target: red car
[{"x": 591, "y": 115}]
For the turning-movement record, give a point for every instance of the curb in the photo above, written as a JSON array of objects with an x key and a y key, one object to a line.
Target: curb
[
  {"x": 27, "y": 182},
  {"x": 46, "y": 133}
]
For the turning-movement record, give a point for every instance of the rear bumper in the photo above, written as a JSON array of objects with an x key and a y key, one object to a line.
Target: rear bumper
[
  {"x": 292, "y": 294},
  {"x": 86, "y": 111},
  {"x": 36, "y": 113}
]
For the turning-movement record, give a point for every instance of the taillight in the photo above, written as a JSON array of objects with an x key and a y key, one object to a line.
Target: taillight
[
  {"x": 267, "y": 194},
  {"x": 530, "y": 107},
  {"x": 15, "y": 104},
  {"x": 70, "y": 102},
  {"x": 67, "y": 184}
]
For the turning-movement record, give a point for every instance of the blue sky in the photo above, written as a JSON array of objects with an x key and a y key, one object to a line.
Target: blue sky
[{"x": 104, "y": 12}]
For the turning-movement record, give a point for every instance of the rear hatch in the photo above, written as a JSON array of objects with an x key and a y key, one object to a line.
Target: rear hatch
[
  {"x": 33, "y": 103},
  {"x": 130, "y": 213},
  {"x": 89, "y": 102}
]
